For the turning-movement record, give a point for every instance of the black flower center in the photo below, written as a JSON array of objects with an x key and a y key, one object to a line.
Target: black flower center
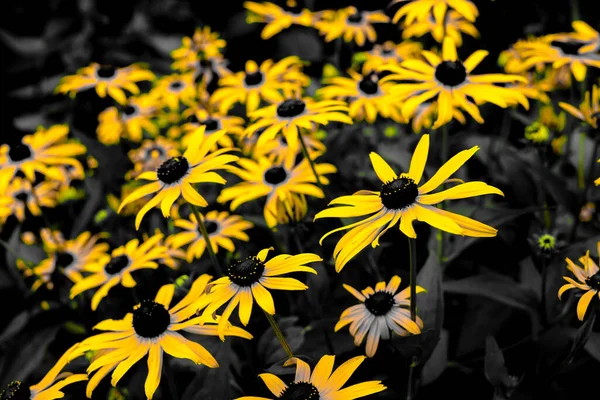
[
  {"x": 116, "y": 264},
  {"x": 275, "y": 175},
  {"x": 570, "y": 48},
  {"x": 173, "y": 169},
  {"x": 368, "y": 85},
  {"x": 150, "y": 319},
  {"x": 211, "y": 124},
  {"x": 211, "y": 226},
  {"x": 16, "y": 391},
  {"x": 594, "y": 281},
  {"x": 129, "y": 110},
  {"x": 253, "y": 78},
  {"x": 246, "y": 272},
  {"x": 106, "y": 71},
  {"x": 355, "y": 18},
  {"x": 300, "y": 391},
  {"x": 451, "y": 73},
  {"x": 63, "y": 259},
  {"x": 379, "y": 303},
  {"x": 22, "y": 196},
  {"x": 399, "y": 193},
  {"x": 176, "y": 86},
  {"x": 19, "y": 152},
  {"x": 291, "y": 108}
]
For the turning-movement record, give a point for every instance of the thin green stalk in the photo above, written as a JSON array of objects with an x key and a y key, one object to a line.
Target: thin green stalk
[
  {"x": 204, "y": 232},
  {"x": 310, "y": 161},
  {"x": 412, "y": 257},
  {"x": 411, "y": 379},
  {"x": 581, "y": 164},
  {"x": 279, "y": 334}
]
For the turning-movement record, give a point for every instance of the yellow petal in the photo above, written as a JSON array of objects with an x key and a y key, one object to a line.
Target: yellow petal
[{"x": 382, "y": 168}]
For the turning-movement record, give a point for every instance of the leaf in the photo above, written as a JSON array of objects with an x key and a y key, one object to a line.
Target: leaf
[
  {"x": 592, "y": 346},
  {"x": 438, "y": 361},
  {"x": 43, "y": 87},
  {"x": 24, "y": 45},
  {"x": 269, "y": 348},
  {"x": 303, "y": 43},
  {"x": 494, "y": 365},
  {"x": 15, "y": 326},
  {"x": 583, "y": 334}
]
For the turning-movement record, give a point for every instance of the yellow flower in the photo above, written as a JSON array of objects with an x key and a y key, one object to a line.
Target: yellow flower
[
  {"x": 175, "y": 176},
  {"x": 153, "y": 328},
  {"x": 350, "y": 24},
  {"x": 203, "y": 42},
  {"x": 278, "y": 182},
  {"x": 588, "y": 37},
  {"x": 420, "y": 9},
  {"x": 292, "y": 210},
  {"x": 276, "y": 18},
  {"x": 213, "y": 123},
  {"x": 202, "y": 67},
  {"x": 588, "y": 111},
  {"x": 176, "y": 89},
  {"x": 588, "y": 281},
  {"x": 452, "y": 24},
  {"x": 26, "y": 196},
  {"x": 449, "y": 80},
  {"x": 150, "y": 155},
  {"x": 426, "y": 113},
  {"x": 128, "y": 122},
  {"x": 391, "y": 53},
  {"x": 402, "y": 200},
  {"x": 322, "y": 384},
  {"x": 106, "y": 79},
  {"x": 537, "y": 133},
  {"x": 380, "y": 312},
  {"x": 278, "y": 149}
]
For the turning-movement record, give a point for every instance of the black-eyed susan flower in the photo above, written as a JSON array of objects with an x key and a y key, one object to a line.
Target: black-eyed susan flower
[
  {"x": 150, "y": 155},
  {"x": 366, "y": 97},
  {"x": 350, "y": 24},
  {"x": 323, "y": 384},
  {"x": 31, "y": 197},
  {"x": 292, "y": 115},
  {"x": 106, "y": 79},
  {"x": 418, "y": 10},
  {"x": 588, "y": 281},
  {"x": 248, "y": 280},
  {"x": 152, "y": 329},
  {"x": 129, "y": 121},
  {"x": 174, "y": 177},
  {"x": 202, "y": 67},
  {"x": 202, "y": 42},
  {"x": 278, "y": 182},
  {"x": 39, "y": 152},
  {"x": 380, "y": 312},
  {"x": 451, "y": 24},
  {"x": 116, "y": 268},
  {"x": 589, "y": 109},
  {"x": 450, "y": 81},
  {"x": 278, "y": 148},
  {"x": 175, "y": 90},
  {"x": 221, "y": 228},
  {"x": 277, "y": 18},
  {"x": 213, "y": 123},
  {"x": 401, "y": 199},
  {"x": 256, "y": 84},
  {"x": 391, "y": 53}
]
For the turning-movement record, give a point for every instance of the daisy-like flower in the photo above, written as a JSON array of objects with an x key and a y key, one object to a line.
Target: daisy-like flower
[
  {"x": 221, "y": 228},
  {"x": 292, "y": 210},
  {"x": 323, "y": 384},
  {"x": 350, "y": 24},
  {"x": 291, "y": 115},
  {"x": 70, "y": 257},
  {"x": 174, "y": 90},
  {"x": 276, "y": 18},
  {"x": 380, "y": 312},
  {"x": 402, "y": 199},
  {"x": 278, "y": 148},
  {"x": 175, "y": 176},
  {"x": 129, "y": 121},
  {"x": 450, "y": 81},
  {"x": 201, "y": 66},
  {"x": 366, "y": 97},
  {"x": 588, "y": 281},
  {"x": 39, "y": 152},
  {"x": 546, "y": 244},
  {"x": 153, "y": 328},
  {"x": 116, "y": 268},
  {"x": 247, "y": 281},
  {"x": 278, "y": 182},
  {"x": 203, "y": 42},
  {"x": 451, "y": 24},
  {"x": 391, "y": 53},
  {"x": 31, "y": 197},
  {"x": 588, "y": 111},
  {"x": 212, "y": 122},
  {"x": 150, "y": 155},
  {"x": 418, "y": 10},
  {"x": 106, "y": 79},
  {"x": 256, "y": 84}
]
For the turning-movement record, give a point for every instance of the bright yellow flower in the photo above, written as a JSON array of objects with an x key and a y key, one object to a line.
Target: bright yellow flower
[
  {"x": 213, "y": 123},
  {"x": 128, "y": 122},
  {"x": 350, "y": 24},
  {"x": 588, "y": 281},
  {"x": 391, "y": 53},
  {"x": 278, "y": 149},
  {"x": 418, "y": 10},
  {"x": 452, "y": 24},
  {"x": 276, "y": 18},
  {"x": 203, "y": 42},
  {"x": 175, "y": 90},
  {"x": 26, "y": 196},
  {"x": 584, "y": 34}
]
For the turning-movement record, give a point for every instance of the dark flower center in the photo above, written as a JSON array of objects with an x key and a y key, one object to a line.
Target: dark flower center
[
  {"x": 19, "y": 152},
  {"x": 176, "y": 86},
  {"x": 211, "y": 124},
  {"x": 369, "y": 85},
  {"x": 291, "y": 108},
  {"x": 63, "y": 259},
  {"x": 569, "y": 48},
  {"x": 22, "y": 196},
  {"x": 16, "y": 391},
  {"x": 129, "y": 110},
  {"x": 253, "y": 78},
  {"x": 150, "y": 319},
  {"x": 355, "y": 18},
  {"x": 204, "y": 63},
  {"x": 211, "y": 226},
  {"x": 246, "y": 272},
  {"x": 451, "y": 73},
  {"x": 275, "y": 175},
  {"x": 173, "y": 169},
  {"x": 116, "y": 264},
  {"x": 399, "y": 193},
  {"x": 300, "y": 391},
  {"x": 387, "y": 51},
  {"x": 379, "y": 303},
  {"x": 594, "y": 281},
  {"x": 106, "y": 71}
]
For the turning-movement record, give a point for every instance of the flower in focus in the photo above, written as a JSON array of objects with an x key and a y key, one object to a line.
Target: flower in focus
[
  {"x": 151, "y": 329},
  {"x": 175, "y": 176},
  {"x": 401, "y": 199},
  {"x": 350, "y": 24},
  {"x": 150, "y": 155},
  {"x": 129, "y": 121},
  {"x": 452, "y": 24},
  {"x": 106, "y": 79},
  {"x": 278, "y": 182},
  {"x": 391, "y": 53},
  {"x": 588, "y": 111},
  {"x": 212, "y": 122},
  {"x": 380, "y": 312},
  {"x": 26, "y": 196},
  {"x": 323, "y": 384},
  {"x": 450, "y": 81},
  {"x": 247, "y": 281},
  {"x": 277, "y": 18},
  {"x": 221, "y": 228},
  {"x": 174, "y": 90},
  {"x": 116, "y": 268},
  {"x": 588, "y": 281},
  {"x": 420, "y": 9}
]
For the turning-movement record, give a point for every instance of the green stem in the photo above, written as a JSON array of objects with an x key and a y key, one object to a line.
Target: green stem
[
  {"x": 310, "y": 161},
  {"x": 581, "y": 164},
  {"x": 279, "y": 334},
  {"x": 412, "y": 258},
  {"x": 411, "y": 380},
  {"x": 204, "y": 232}
]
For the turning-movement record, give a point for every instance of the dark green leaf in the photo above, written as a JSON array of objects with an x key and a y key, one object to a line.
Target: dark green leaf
[{"x": 494, "y": 367}]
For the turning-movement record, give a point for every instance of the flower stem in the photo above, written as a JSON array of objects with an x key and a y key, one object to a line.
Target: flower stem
[
  {"x": 279, "y": 334},
  {"x": 310, "y": 161},
  {"x": 204, "y": 232},
  {"x": 412, "y": 258},
  {"x": 581, "y": 164}
]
